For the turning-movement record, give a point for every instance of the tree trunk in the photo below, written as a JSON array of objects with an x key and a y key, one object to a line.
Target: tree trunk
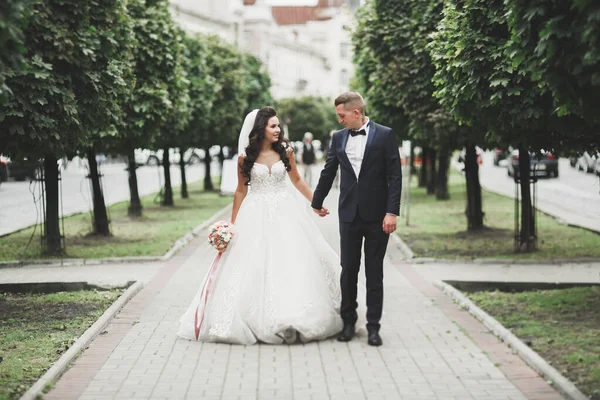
[
  {"x": 135, "y": 204},
  {"x": 431, "y": 171},
  {"x": 184, "y": 189},
  {"x": 208, "y": 185},
  {"x": 441, "y": 185},
  {"x": 221, "y": 161},
  {"x": 168, "y": 193},
  {"x": 527, "y": 233},
  {"x": 423, "y": 172},
  {"x": 474, "y": 206},
  {"x": 52, "y": 237},
  {"x": 101, "y": 226}
]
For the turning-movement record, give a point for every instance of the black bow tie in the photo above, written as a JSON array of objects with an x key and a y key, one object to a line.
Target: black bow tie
[{"x": 354, "y": 133}]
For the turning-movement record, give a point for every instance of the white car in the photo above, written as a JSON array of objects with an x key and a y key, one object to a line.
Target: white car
[
  {"x": 587, "y": 162},
  {"x": 153, "y": 158}
]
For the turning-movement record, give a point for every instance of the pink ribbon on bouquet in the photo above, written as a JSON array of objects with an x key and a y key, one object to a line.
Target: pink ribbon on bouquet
[{"x": 204, "y": 295}]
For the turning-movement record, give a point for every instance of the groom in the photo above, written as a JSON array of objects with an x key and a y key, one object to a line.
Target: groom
[{"x": 371, "y": 182}]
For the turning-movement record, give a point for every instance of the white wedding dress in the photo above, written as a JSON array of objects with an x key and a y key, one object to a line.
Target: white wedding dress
[{"x": 277, "y": 281}]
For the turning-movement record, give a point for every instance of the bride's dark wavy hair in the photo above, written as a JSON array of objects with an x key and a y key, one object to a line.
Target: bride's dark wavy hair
[{"x": 257, "y": 134}]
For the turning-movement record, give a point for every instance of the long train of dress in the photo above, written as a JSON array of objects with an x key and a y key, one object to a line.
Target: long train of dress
[{"x": 277, "y": 280}]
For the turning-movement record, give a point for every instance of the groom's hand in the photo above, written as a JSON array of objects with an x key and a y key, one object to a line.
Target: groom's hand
[
  {"x": 389, "y": 223},
  {"x": 322, "y": 212}
]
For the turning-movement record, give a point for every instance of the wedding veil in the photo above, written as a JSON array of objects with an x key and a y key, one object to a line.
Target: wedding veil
[{"x": 244, "y": 138}]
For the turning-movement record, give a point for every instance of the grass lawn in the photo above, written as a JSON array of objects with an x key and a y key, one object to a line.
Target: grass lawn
[
  {"x": 563, "y": 326},
  {"x": 36, "y": 329},
  {"x": 151, "y": 235},
  {"x": 439, "y": 229}
]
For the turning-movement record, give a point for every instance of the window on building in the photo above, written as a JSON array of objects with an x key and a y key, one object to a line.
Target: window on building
[
  {"x": 344, "y": 77},
  {"x": 345, "y": 50}
]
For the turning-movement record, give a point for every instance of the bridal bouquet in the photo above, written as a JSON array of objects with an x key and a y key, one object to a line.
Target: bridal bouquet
[{"x": 220, "y": 234}]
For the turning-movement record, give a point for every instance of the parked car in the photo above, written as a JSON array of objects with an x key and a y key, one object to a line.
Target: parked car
[
  {"x": 19, "y": 169},
  {"x": 587, "y": 162},
  {"x": 153, "y": 158},
  {"x": 499, "y": 155},
  {"x": 543, "y": 164}
]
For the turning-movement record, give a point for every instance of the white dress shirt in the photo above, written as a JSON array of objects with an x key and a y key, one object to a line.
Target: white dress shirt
[{"x": 355, "y": 148}]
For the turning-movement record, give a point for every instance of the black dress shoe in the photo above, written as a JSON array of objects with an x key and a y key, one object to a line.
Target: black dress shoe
[
  {"x": 374, "y": 339},
  {"x": 347, "y": 333}
]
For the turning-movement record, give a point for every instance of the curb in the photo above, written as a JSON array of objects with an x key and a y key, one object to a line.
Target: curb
[
  {"x": 80, "y": 344},
  {"x": 403, "y": 247},
  {"x": 486, "y": 261},
  {"x": 69, "y": 262},
  {"x": 537, "y": 363},
  {"x": 410, "y": 256}
]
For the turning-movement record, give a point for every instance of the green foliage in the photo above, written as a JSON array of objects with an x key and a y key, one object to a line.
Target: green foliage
[
  {"x": 107, "y": 79},
  {"x": 307, "y": 114},
  {"x": 11, "y": 41},
  {"x": 257, "y": 82},
  {"x": 395, "y": 68},
  {"x": 150, "y": 104},
  {"x": 42, "y": 116},
  {"x": 558, "y": 42},
  {"x": 203, "y": 89},
  {"x": 372, "y": 78},
  {"x": 172, "y": 133},
  {"x": 222, "y": 124},
  {"x": 478, "y": 83}
]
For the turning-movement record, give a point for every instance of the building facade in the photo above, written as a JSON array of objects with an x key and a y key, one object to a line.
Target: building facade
[{"x": 306, "y": 50}]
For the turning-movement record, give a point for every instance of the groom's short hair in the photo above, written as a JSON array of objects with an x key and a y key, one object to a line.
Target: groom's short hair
[{"x": 351, "y": 100}]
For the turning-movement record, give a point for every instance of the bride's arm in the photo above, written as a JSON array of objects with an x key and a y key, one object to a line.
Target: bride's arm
[
  {"x": 297, "y": 179},
  {"x": 240, "y": 192}
]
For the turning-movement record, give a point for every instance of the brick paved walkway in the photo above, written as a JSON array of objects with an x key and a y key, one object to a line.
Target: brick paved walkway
[{"x": 432, "y": 350}]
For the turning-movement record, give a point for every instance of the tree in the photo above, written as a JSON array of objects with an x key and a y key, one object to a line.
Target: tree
[
  {"x": 307, "y": 114},
  {"x": 11, "y": 44},
  {"x": 558, "y": 42},
  {"x": 258, "y": 83},
  {"x": 203, "y": 89},
  {"x": 102, "y": 87},
  {"x": 41, "y": 118},
  {"x": 372, "y": 78},
  {"x": 149, "y": 105},
  {"x": 221, "y": 125},
  {"x": 172, "y": 131},
  {"x": 477, "y": 82}
]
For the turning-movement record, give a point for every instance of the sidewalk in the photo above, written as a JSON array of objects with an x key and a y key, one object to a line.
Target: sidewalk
[
  {"x": 432, "y": 349},
  {"x": 101, "y": 275},
  {"x": 539, "y": 273}
]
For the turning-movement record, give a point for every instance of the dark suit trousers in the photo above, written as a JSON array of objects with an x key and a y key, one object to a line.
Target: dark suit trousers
[{"x": 375, "y": 239}]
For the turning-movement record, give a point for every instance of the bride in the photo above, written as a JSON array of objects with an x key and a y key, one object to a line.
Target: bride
[{"x": 278, "y": 280}]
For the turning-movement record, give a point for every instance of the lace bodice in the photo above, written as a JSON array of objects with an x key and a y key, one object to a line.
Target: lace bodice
[{"x": 267, "y": 180}]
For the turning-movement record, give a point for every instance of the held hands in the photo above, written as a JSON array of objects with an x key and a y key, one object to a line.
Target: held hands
[
  {"x": 389, "y": 224},
  {"x": 322, "y": 212}
]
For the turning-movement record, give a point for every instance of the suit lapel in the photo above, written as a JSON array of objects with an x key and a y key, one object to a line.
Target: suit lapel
[
  {"x": 370, "y": 138},
  {"x": 342, "y": 149}
]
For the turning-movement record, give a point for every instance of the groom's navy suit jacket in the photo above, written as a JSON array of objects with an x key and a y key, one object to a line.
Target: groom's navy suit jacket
[{"x": 376, "y": 191}]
